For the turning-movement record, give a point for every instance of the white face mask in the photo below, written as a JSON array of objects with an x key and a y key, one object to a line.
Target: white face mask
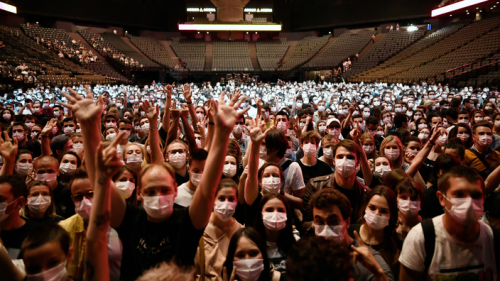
[
  {"x": 57, "y": 273},
  {"x": 309, "y": 149},
  {"x": 39, "y": 204},
  {"x": 145, "y": 128},
  {"x": 271, "y": 184},
  {"x": 391, "y": 153},
  {"x": 195, "y": 178},
  {"x": 376, "y": 222},
  {"x": 368, "y": 148},
  {"x": 158, "y": 207},
  {"x": 382, "y": 170},
  {"x": 177, "y": 160},
  {"x": 334, "y": 132},
  {"x": 134, "y": 161},
  {"x": 126, "y": 188},
  {"x": 224, "y": 210},
  {"x": 67, "y": 168},
  {"x": 274, "y": 220},
  {"x": 335, "y": 232},
  {"x": 281, "y": 126},
  {"x": 238, "y": 129},
  {"x": 328, "y": 153},
  {"x": 485, "y": 140},
  {"x": 68, "y": 130},
  {"x": 408, "y": 208},
  {"x": 249, "y": 269},
  {"x": 442, "y": 140},
  {"x": 51, "y": 178},
  {"x": 229, "y": 170},
  {"x": 322, "y": 129},
  {"x": 23, "y": 169},
  {"x": 83, "y": 208},
  {"x": 345, "y": 167},
  {"x": 465, "y": 211},
  {"x": 127, "y": 134},
  {"x": 78, "y": 147},
  {"x": 423, "y": 136}
]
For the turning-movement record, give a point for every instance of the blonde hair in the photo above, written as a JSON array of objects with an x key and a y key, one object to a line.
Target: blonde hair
[
  {"x": 364, "y": 137},
  {"x": 141, "y": 147},
  {"x": 398, "y": 163}
]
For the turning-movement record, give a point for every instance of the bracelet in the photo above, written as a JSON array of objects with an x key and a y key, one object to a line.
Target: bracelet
[
  {"x": 432, "y": 143},
  {"x": 211, "y": 123},
  {"x": 152, "y": 129},
  {"x": 189, "y": 102}
]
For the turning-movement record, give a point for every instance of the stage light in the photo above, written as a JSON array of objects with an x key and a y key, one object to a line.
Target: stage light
[
  {"x": 412, "y": 28},
  {"x": 227, "y": 27},
  {"x": 455, "y": 6},
  {"x": 8, "y": 8}
]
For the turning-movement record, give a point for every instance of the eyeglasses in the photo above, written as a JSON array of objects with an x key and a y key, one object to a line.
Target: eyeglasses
[{"x": 79, "y": 196}]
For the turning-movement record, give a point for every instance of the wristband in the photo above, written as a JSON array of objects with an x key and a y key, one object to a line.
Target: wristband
[
  {"x": 189, "y": 102},
  {"x": 211, "y": 123},
  {"x": 432, "y": 143}
]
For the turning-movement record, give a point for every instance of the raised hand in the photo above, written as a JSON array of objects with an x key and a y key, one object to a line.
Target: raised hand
[
  {"x": 364, "y": 256},
  {"x": 187, "y": 92},
  {"x": 85, "y": 110},
  {"x": 48, "y": 127},
  {"x": 255, "y": 131},
  {"x": 8, "y": 150},
  {"x": 151, "y": 111},
  {"x": 108, "y": 162},
  {"x": 201, "y": 128},
  {"x": 227, "y": 115},
  {"x": 235, "y": 97},
  {"x": 169, "y": 89}
]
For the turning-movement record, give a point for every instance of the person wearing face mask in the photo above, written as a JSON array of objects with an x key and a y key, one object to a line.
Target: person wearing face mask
[
  {"x": 281, "y": 122},
  {"x": 58, "y": 113},
  {"x": 379, "y": 217},
  {"x": 68, "y": 165},
  {"x": 176, "y": 156},
  {"x": 327, "y": 144},
  {"x": 347, "y": 155},
  {"x": 239, "y": 135},
  {"x": 458, "y": 230},
  {"x": 481, "y": 156},
  {"x": 332, "y": 218},
  {"x": 125, "y": 181},
  {"x": 82, "y": 194},
  {"x": 309, "y": 164},
  {"x": 142, "y": 131},
  {"x": 186, "y": 191},
  {"x": 247, "y": 259},
  {"x": 110, "y": 120},
  {"x": 46, "y": 168},
  {"x": 69, "y": 126},
  {"x": 20, "y": 132},
  {"x": 221, "y": 227},
  {"x": 409, "y": 196},
  {"x": 40, "y": 207},
  {"x": 133, "y": 156},
  {"x": 275, "y": 228},
  {"x": 14, "y": 228},
  {"x": 463, "y": 133},
  {"x": 23, "y": 165}
]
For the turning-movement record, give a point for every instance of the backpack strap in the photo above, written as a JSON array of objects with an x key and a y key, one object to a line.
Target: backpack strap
[
  {"x": 481, "y": 158},
  {"x": 430, "y": 242},
  {"x": 496, "y": 246},
  {"x": 286, "y": 164}
]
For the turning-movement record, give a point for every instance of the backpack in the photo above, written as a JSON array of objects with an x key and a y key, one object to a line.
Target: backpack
[{"x": 430, "y": 244}]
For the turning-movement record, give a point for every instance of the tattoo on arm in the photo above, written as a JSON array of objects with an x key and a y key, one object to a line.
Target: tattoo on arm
[{"x": 102, "y": 221}]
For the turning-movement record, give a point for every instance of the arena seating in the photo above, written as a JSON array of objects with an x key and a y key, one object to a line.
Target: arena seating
[
  {"x": 48, "y": 34},
  {"x": 231, "y": 56},
  {"x": 98, "y": 43},
  {"x": 154, "y": 50},
  {"x": 347, "y": 45},
  {"x": 270, "y": 53},
  {"x": 303, "y": 51},
  {"x": 191, "y": 52},
  {"x": 390, "y": 45}
]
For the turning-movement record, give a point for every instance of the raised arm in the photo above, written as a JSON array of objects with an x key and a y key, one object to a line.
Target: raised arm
[
  {"x": 422, "y": 155},
  {"x": 188, "y": 130},
  {"x": 363, "y": 161},
  {"x": 492, "y": 181},
  {"x": 45, "y": 136},
  {"x": 8, "y": 151},
  {"x": 107, "y": 164},
  {"x": 188, "y": 94},
  {"x": 172, "y": 132},
  {"x": 210, "y": 130},
  {"x": 203, "y": 200},
  {"x": 166, "y": 115},
  {"x": 252, "y": 184},
  {"x": 154, "y": 137},
  {"x": 347, "y": 121}
]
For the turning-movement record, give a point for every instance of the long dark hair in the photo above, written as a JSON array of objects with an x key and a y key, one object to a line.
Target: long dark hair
[
  {"x": 255, "y": 237},
  {"x": 285, "y": 239},
  {"x": 454, "y": 133},
  {"x": 390, "y": 196}
]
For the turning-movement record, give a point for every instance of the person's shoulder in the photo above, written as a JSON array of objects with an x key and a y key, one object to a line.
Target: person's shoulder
[{"x": 320, "y": 179}]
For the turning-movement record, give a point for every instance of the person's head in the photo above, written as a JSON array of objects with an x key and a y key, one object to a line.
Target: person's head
[
  {"x": 455, "y": 148},
  {"x": 125, "y": 125},
  {"x": 247, "y": 244},
  {"x": 69, "y": 163},
  {"x": 40, "y": 200},
  {"x": 371, "y": 125},
  {"x": 461, "y": 193},
  {"x": 394, "y": 177},
  {"x": 412, "y": 147},
  {"x": 410, "y": 197},
  {"x": 110, "y": 120},
  {"x": 463, "y": 133},
  {"x": 392, "y": 148},
  {"x": 82, "y": 193},
  {"x": 380, "y": 210},
  {"x": 23, "y": 163},
  {"x": 157, "y": 187},
  {"x": 331, "y": 209},
  {"x": 19, "y": 131},
  {"x": 463, "y": 117},
  {"x": 309, "y": 142},
  {"x": 226, "y": 199},
  {"x": 234, "y": 148},
  {"x": 176, "y": 154},
  {"x": 47, "y": 168},
  {"x": 69, "y": 125},
  {"x": 476, "y": 116},
  {"x": 346, "y": 154},
  {"x": 275, "y": 143},
  {"x": 13, "y": 194},
  {"x": 197, "y": 159},
  {"x": 61, "y": 144},
  {"x": 317, "y": 258},
  {"x": 482, "y": 134},
  {"x": 271, "y": 178}
]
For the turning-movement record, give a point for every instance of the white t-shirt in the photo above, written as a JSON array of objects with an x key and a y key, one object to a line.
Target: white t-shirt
[
  {"x": 293, "y": 176},
  {"x": 452, "y": 260},
  {"x": 184, "y": 195}
]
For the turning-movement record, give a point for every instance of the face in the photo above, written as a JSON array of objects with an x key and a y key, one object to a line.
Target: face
[
  {"x": 157, "y": 182},
  {"x": 328, "y": 144},
  {"x": 69, "y": 124},
  {"x": 392, "y": 145},
  {"x": 68, "y": 146},
  {"x": 68, "y": 158},
  {"x": 308, "y": 141},
  {"x": 25, "y": 158},
  {"x": 175, "y": 148},
  {"x": 44, "y": 257},
  {"x": 126, "y": 176},
  {"x": 230, "y": 160},
  {"x": 81, "y": 188},
  {"x": 133, "y": 150},
  {"x": 125, "y": 127},
  {"x": 197, "y": 167},
  {"x": 481, "y": 131},
  {"x": 435, "y": 121},
  {"x": 57, "y": 111},
  {"x": 407, "y": 196},
  {"x": 463, "y": 118},
  {"x": 379, "y": 206},
  {"x": 271, "y": 171},
  {"x": 47, "y": 166},
  {"x": 382, "y": 161},
  {"x": 226, "y": 194},
  {"x": 7, "y": 197},
  {"x": 36, "y": 129},
  {"x": 18, "y": 129},
  {"x": 38, "y": 190},
  {"x": 246, "y": 249},
  {"x": 274, "y": 205},
  {"x": 460, "y": 188}
]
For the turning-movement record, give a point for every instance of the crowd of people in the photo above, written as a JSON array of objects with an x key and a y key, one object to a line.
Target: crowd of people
[
  {"x": 250, "y": 181},
  {"x": 75, "y": 51}
]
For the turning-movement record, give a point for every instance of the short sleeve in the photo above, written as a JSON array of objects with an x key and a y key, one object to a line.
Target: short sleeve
[
  {"x": 294, "y": 179},
  {"x": 413, "y": 254},
  {"x": 187, "y": 239}
]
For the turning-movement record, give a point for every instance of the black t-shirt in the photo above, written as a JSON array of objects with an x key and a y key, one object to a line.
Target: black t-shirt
[
  {"x": 426, "y": 169},
  {"x": 317, "y": 170},
  {"x": 13, "y": 239},
  {"x": 431, "y": 207},
  {"x": 375, "y": 181},
  {"x": 62, "y": 199},
  {"x": 180, "y": 179},
  {"x": 351, "y": 195},
  {"x": 252, "y": 210},
  {"x": 146, "y": 244}
]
